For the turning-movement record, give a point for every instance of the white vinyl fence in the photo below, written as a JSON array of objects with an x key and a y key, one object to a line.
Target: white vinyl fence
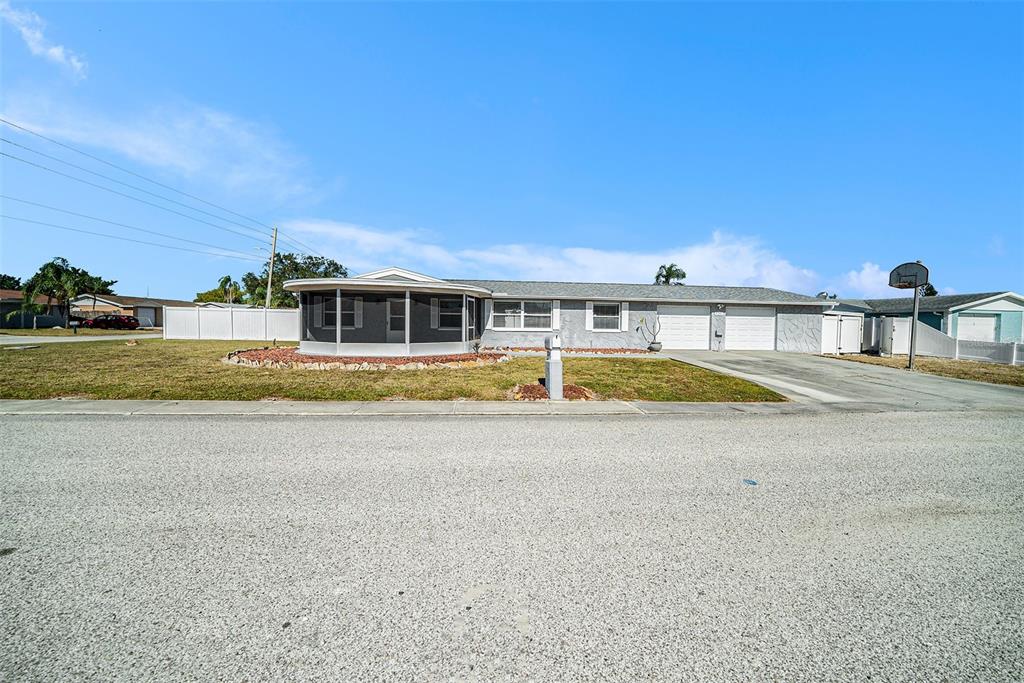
[
  {"x": 258, "y": 324},
  {"x": 895, "y": 340}
]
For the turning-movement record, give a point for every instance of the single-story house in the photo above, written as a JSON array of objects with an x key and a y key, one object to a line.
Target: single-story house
[
  {"x": 222, "y": 304},
  {"x": 149, "y": 311},
  {"x": 10, "y": 303},
  {"x": 986, "y": 316},
  {"x": 397, "y": 312}
]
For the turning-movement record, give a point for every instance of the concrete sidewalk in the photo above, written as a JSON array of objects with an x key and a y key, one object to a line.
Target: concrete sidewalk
[
  {"x": 32, "y": 340},
  {"x": 514, "y": 408}
]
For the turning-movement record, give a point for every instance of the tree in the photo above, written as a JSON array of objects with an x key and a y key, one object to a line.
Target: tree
[
  {"x": 928, "y": 290},
  {"x": 9, "y": 281},
  {"x": 288, "y": 266},
  {"x": 670, "y": 275},
  {"x": 59, "y": 281},
  {"x": 227, "y": 291}
]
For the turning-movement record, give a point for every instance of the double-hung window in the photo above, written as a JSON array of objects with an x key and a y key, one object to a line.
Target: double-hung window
[
  {"x": 348, "y": 312},
  {"x": 449, "y": 313},
  {"x": 328, "y": 317},
  {"x": 521, "y": 315},
  {"x": 606, "y": 316}
]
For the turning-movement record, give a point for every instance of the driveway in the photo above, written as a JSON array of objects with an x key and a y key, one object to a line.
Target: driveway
[
  {"x": 846, "y": 385},
  {"x": 530, "y": 548},
  {"x": 31, "y": 340}
]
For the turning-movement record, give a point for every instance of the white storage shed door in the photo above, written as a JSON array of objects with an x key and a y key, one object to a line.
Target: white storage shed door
[
  {"x": 685, "y": 327},
  {"x": 851, "y": 333},
  {"x": 974, "y": 327},
  {"x": 749, "y": 328}
]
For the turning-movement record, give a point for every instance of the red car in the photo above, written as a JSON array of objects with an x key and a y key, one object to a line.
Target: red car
[{"x": 112, "y": 322}]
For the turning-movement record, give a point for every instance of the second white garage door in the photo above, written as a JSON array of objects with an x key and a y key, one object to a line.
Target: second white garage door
[
  {"x": 976, "y": 327},
  {"x": 749, "y": 328},
  {"x": 685, "y": 327}
]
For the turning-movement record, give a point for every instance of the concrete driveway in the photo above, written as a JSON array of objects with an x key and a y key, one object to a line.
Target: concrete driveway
[{"x": 842, "y": 384}]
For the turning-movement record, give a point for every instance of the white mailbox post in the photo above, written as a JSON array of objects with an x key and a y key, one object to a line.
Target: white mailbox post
[{"x": 553, "y": 367}]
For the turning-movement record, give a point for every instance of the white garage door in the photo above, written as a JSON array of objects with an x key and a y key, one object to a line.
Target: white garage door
[
  {"x": 749, "y": 328},
  {"x": 685, "y": 327},
  {"x": 973, "y": 327},
  {"x": 146, "y": 315}
]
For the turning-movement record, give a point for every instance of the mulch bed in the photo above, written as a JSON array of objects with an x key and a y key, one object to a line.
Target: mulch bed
[
  {"x": 289, "y": 357},
  {"x": 538, "y": 392},
  {"x": 580, "y": 349}
]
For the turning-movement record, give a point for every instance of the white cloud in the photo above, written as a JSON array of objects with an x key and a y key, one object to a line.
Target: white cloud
[
  {"x": 198, "y": 144},
  {"x": 722, "y": 260},
  {"x": 870, "y": 282},
  {"x": 30, "y": 25}
]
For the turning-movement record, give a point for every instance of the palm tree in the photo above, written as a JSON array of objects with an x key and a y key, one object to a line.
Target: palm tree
[
  {"x": 670, "y": 274},
  {"x": 228, "y": 285}
]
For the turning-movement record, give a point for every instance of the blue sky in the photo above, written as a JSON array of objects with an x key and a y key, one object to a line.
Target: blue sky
[{"x": 801, "y": 146}]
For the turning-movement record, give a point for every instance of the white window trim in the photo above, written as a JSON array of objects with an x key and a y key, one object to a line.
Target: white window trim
[
  {"x": 522, "y": 316},
  {"x": 617, "y": 316}
]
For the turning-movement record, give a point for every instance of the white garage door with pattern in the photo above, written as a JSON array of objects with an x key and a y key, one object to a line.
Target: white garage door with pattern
[
  {"x": 685, "y": 327},
  {"x": 749, "y": 328},
  {"x": 973, "y": 327}
]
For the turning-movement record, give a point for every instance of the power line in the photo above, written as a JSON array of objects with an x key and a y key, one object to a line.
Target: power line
[
  {"x": 128, "y": 196},
  {"x": 123, "y": 225},
  {"x": 127, "y": 239},
  {"x": 134, "y": 187},
  {"x": 288, "y": 238}
]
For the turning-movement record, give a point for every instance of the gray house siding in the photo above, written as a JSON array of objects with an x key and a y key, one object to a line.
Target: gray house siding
[
  {"x": 797, "y": 329},
  {"x": 573, "y": 330}
]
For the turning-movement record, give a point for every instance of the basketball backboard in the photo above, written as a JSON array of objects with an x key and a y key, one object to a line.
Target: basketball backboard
[{"x": 908, "y": 276}]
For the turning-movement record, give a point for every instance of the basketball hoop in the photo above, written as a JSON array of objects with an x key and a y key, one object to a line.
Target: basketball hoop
[{"x": 910, "y": 276}]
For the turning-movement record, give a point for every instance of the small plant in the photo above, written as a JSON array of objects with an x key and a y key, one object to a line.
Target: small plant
[
  {"x": 649, "y": 330},
  {"x": 476, "y": 346}
]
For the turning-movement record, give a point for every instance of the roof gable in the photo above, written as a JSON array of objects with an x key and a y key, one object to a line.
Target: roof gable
[{"x": 399, "y": 274}]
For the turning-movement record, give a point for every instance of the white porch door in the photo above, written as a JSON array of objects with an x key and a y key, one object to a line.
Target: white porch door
[{"x": 396, "y": 321}]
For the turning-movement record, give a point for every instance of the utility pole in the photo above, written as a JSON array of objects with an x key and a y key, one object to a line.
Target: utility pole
[{"x": 270, "y": 273}]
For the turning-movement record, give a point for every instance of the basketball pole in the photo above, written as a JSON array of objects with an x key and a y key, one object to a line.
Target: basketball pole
[{"x": 913, "y": 328}]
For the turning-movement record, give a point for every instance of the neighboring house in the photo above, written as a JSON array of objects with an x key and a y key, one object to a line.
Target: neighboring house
[
  {"x": 222, "y": 304},
  {"x": 149, "y": 311},
  {"x": 10, "y": 303},
  {"x": 988, "y": 316},
  {"x": 399, "y": 312}
]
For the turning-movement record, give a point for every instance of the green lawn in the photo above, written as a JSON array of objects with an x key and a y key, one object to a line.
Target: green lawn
[
  {"x": 61, "y": 332},
  {"x": 158, "y": 369},
  {"x": 993, "y": 373}
]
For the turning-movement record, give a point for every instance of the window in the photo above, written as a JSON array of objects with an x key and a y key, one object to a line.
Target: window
[
  {"x": 348, "y": 312},
  {"x": 449, "y": 314},
  {"x": 328, "y": 310},
  {"x": 470, "y": 317},
  {"x": 606, "y": 316},
  {"x": 522, "y": 315}
]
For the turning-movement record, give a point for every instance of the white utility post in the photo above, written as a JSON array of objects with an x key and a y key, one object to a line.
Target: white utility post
[
  {"x": 553, "y": 367},
  {"x": 270, "y": 273}
]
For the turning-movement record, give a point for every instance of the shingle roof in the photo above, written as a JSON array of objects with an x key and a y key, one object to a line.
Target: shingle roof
[
  {"x": 139, "y": 300},
  {"x": 928, "y": 304},
  {"x": 633, "y": 292},
  {"x": 18, "y": 295}
]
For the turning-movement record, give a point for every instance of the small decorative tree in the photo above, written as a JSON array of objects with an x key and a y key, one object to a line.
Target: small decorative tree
[{"x": 650, "y": 331}]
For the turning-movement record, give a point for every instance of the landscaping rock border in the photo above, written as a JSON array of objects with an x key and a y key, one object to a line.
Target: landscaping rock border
[{"x": 289, "y": 358}]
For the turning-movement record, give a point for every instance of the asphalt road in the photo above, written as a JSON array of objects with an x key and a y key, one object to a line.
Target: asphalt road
[{"x": 884, "y": 545}]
